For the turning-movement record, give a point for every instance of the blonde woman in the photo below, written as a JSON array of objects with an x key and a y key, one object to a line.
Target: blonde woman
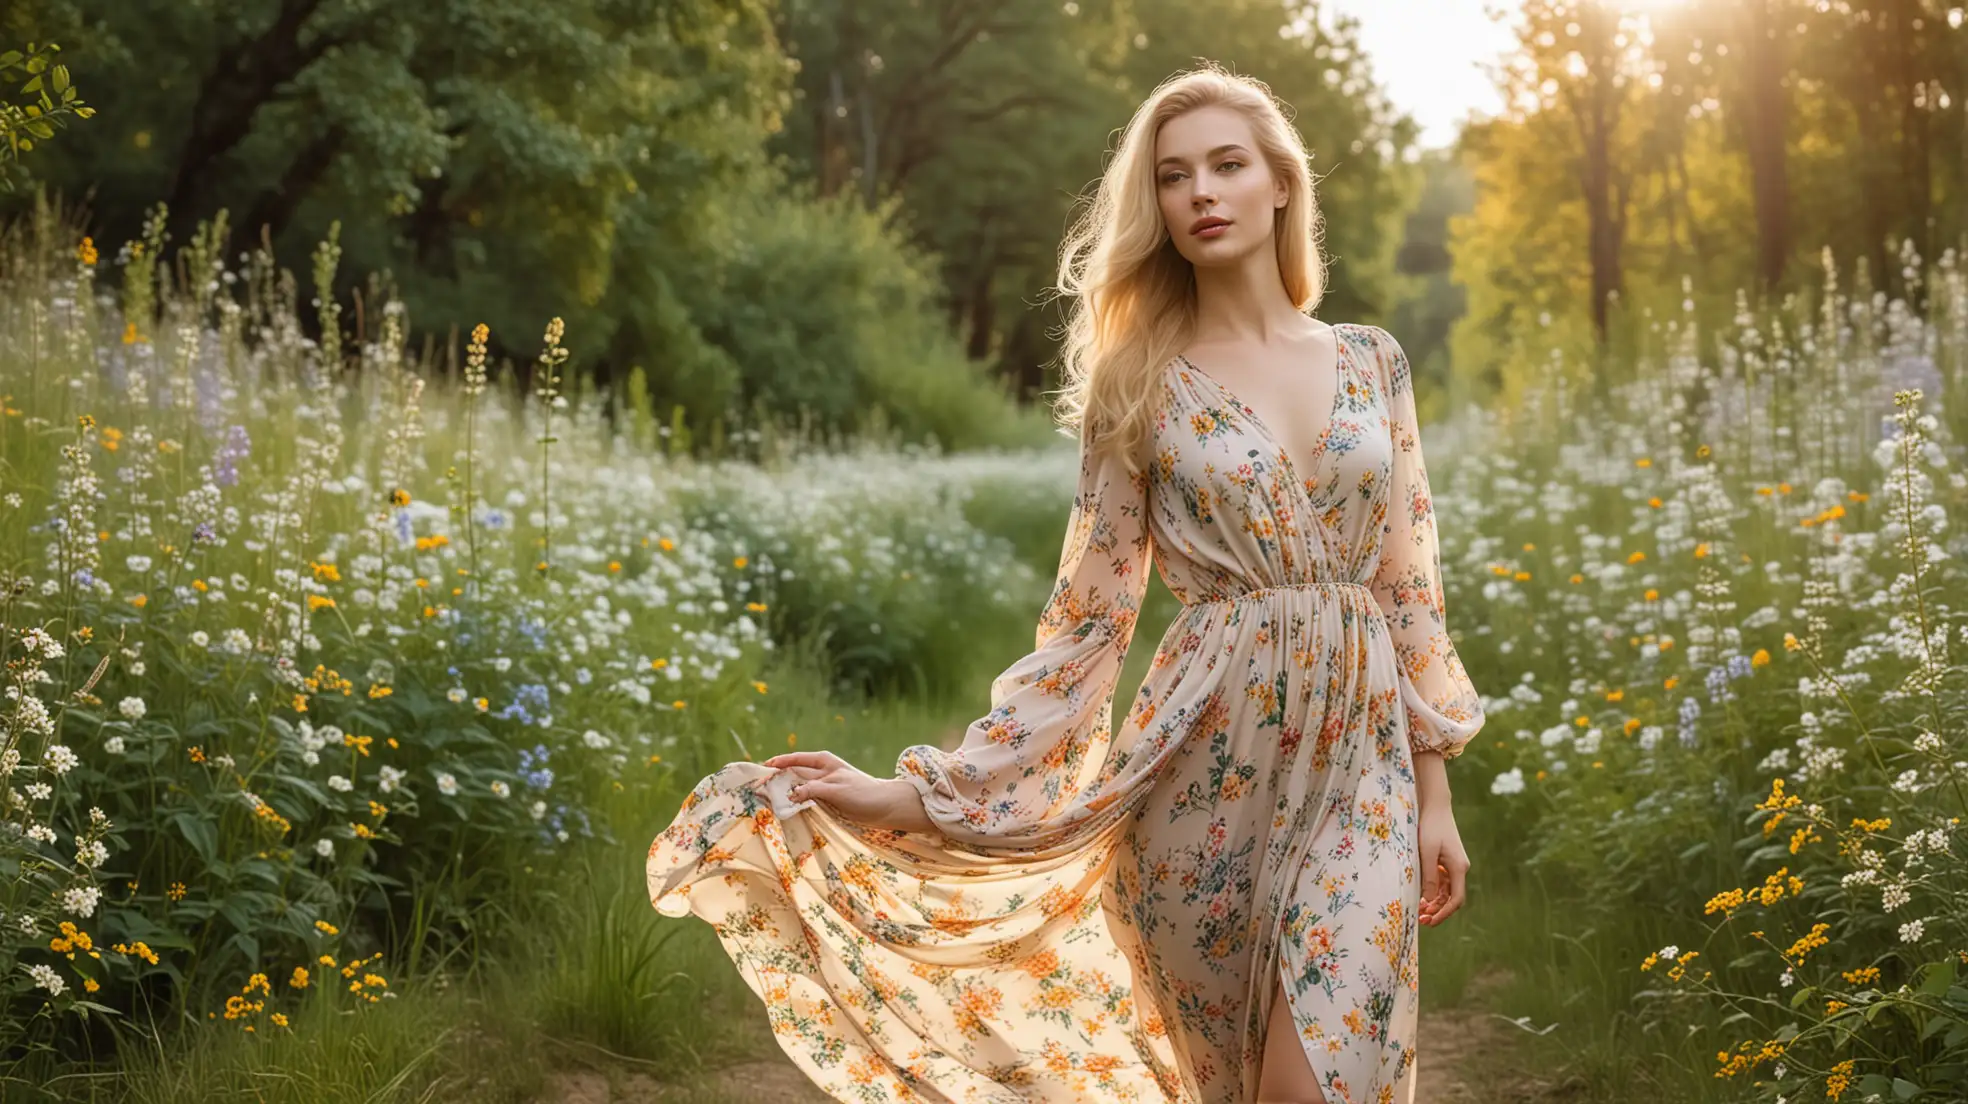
[{"x": 1221, "y": 902}]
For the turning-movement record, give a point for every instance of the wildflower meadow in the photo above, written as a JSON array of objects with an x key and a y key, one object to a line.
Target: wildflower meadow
[
  {"x": 327, "y": 669},
  {"x": 1715, "y": 588},
  {"x": 320, "y": 667}
]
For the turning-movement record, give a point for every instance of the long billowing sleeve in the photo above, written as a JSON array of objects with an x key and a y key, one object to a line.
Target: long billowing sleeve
[
  {"x": 1444, "y": 711},
  {"x": 1045, "y": 738}
]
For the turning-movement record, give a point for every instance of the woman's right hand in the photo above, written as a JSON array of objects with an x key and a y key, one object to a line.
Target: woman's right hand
[{"x": 857, "y": 796}]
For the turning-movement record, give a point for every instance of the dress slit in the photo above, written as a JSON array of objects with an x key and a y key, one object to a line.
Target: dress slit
[{"x": 1285, "y": 990}]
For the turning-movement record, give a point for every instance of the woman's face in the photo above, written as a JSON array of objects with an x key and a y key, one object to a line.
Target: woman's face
[{"x": 1207, "y": 164}]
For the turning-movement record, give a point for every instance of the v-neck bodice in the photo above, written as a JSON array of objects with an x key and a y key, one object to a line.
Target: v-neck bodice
[
  {"x": 1341, "y": 371},
  {"x": 1290, "y": 522}
]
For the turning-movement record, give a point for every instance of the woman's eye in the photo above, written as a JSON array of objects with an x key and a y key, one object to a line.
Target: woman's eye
[{"x": 1171, "y": 177}]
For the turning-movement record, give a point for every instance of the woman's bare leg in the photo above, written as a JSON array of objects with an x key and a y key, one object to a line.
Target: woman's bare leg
[{"x": 1286, "y": 1076}]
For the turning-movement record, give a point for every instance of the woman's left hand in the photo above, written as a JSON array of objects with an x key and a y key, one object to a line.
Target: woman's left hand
[{"x": 1444, "y": 864}]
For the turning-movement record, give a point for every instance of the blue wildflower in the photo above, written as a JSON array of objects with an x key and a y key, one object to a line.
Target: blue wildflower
[{"x": 225, "y": 461}]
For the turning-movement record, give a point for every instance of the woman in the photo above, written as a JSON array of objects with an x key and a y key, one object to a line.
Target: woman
[{"x": 1219, "y": 903}]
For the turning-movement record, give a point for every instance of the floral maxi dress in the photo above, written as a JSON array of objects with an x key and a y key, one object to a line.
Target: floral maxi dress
[{"x": 1103, "y": 914}]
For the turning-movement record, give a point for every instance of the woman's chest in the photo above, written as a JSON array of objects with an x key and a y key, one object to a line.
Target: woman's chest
[{"x": 1214, "y": 449}]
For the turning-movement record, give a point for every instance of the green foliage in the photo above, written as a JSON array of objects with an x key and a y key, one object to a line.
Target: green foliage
[
  {"x": 52, "y": 98},
  {"x": 698, "y": 187}
]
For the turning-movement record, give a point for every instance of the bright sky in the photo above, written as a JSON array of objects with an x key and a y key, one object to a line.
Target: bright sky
[{"x": 1426, "y": 54}]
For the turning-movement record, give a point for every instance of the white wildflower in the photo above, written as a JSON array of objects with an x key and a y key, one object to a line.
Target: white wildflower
[
  {"x": 1893, "y": 895},
  {"x": 132, "y": 708},
  {"x": 38, "y": 640},
  {"x": 46, "y": 978},
  {"x": 81, "y": 900}
]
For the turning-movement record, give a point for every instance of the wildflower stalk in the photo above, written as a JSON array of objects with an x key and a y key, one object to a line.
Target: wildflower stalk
[
  {"x": 551, "y": 358},
  {"x": 474, "y": 386},
  {"x": 1851, "y": 707},
  {"x": 327, "y": 257},
  {"x": 1908, "y": 403}
]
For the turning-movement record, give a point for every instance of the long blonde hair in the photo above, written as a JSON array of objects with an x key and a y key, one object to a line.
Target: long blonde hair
[{"x": 1133, "y": 294}]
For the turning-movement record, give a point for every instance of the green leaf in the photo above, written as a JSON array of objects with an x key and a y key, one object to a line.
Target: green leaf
[
  {"x": 202, "y": 836},
  {"x": 61, "y": 78},
  {"x": 1904, "y": 1090},
  {"x": 248, "y": 946},
  {"x": 1803, "y": 995},
  {"x": 1939, "y": 976}
]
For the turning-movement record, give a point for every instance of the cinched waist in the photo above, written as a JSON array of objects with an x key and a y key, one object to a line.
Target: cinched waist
[{"x": 1260, "y": 593}]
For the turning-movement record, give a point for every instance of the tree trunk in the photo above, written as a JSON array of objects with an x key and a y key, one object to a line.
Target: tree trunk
[
  {"x": 1765, "y": 127},
  {"x": 244, "y": 78},
  {"x": 275, "y": 206}
]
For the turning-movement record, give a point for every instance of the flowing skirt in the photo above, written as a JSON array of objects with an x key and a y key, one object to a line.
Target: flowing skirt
[{"x": 1270, "y": 831}]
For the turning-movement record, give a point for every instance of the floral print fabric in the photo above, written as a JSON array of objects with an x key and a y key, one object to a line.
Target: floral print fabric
[{"x": 1102, "y": 913}]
